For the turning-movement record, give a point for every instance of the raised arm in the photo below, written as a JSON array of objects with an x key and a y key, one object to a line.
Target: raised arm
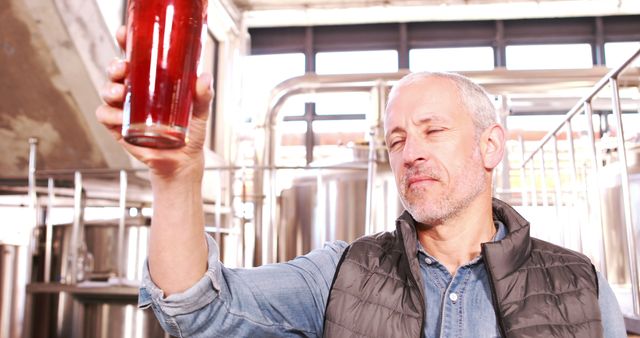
[
  {"x": 190, "y": 291},
  {"x": 177, "y": 247}
]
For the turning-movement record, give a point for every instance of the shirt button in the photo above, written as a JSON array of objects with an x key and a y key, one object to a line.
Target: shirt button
[
  {"x": 453, "y": 296},
  {"x": 428, "y": 260}
]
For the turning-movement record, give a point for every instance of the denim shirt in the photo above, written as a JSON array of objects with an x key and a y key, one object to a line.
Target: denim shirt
[{"x": 289, "y": 299}]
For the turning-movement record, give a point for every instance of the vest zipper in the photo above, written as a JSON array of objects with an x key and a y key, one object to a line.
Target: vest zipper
[
  {"x": 494, "y": 299},
  {"x": 422, "y": 300}
]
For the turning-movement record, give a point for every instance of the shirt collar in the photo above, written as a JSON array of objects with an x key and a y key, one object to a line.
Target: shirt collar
[{"x": 501, "y": 233}]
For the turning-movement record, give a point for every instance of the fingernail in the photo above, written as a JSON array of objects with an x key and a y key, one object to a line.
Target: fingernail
[
  {"x": 114, "y": 91},
  {"x": 120, "y": 65},
  {"x": 115, "y": 67},
  {"x": 208, "y": 79}
]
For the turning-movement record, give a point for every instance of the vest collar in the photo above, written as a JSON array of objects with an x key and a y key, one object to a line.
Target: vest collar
[
  {"x": 505, "y": 256},
  {"x": 502, "y": 257}
]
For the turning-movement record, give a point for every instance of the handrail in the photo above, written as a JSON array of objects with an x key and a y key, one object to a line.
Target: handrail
[
  {"x": 497, "y": 81},
  {"x": 584, "y": 104},
  {"x": 579, "y": 106},
  {"x": 114, "y": 171}
]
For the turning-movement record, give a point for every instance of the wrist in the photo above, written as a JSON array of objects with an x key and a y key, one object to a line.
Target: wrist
[{"x": 190, "y": 173}]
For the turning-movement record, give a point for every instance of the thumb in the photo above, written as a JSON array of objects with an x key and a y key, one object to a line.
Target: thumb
[{"x": 203, "y": 95}]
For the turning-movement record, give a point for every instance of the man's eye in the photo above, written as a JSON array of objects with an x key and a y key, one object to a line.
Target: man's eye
[
  {"x": 434, "y": 131},
  {"x": 395, "y": 144}
]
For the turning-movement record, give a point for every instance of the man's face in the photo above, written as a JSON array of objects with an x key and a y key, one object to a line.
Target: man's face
[{"x": 433, "y": 150}]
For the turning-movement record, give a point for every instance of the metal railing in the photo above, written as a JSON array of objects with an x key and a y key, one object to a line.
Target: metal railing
[
  {"x": 228, "y": 200},
  {"x": 498, "y": 82},
  {"x": 585, "y": 105}
]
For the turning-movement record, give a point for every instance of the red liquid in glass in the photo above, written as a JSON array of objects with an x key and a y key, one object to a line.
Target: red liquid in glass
[{"x": 163, "y": 50}]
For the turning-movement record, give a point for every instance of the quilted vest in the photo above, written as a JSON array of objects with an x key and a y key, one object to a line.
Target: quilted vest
[{"x": 539, "y": 289}]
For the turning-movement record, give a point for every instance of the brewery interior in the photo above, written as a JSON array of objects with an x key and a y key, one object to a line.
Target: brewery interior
[{"x": 295, "y": 155}]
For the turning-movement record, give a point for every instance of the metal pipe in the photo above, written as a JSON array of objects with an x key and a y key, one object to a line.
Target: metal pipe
[
  {"x": 23, "y": 276},
  {"x": 48, "y": 242},
  {"x": 33, "y": 197},
  {"x": 558, "y": 188},
  {"x": 218, "y": 210},
  {"x": 230, "y": 202},
  {"x": 248, "y": 258},
  {"x": 269, "y": 235},
  {"x": 545, "y": 196},
  {"x": 368, "y": 224},
  {"x": 379, "y": 94},
  {"x": 626, "y": 197},
  {"x": 614, "y": 73},
  {"x": 72, "y": 272},
  {"x": 110, "y": 172},
  {"x": 523, "y": 185},
  {"x": 574, "y": 180},
  {"x": 121, "y": 224},
  {"x": 588, "y": 111},
  {"x": 321, "y": 215},
  {"x": 534, "y": 195}
]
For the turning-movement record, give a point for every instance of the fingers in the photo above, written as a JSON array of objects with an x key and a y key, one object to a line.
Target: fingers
[
  {"x": 203, "y": 95},
  {"x": 117, "y": 70},
  {"x": 109, "y": 116},
  {"x": 113, "y": 91},
  {"x": 121, "y": 36},
  {"x": 113, "y": 94}
]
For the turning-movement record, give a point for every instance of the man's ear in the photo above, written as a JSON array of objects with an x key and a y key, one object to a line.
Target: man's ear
[{"x": 492, "y": 144}]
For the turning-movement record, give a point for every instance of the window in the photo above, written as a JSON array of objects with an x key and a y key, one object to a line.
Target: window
[
  {"x": 334, "y": 140},
  {"x": 112, "y": 12},
  {"x": 615, "y": 53},
  {"x": 346, "y": 103},
  {"x": 261, "y": 74},
  {"x": 292, "y": 150},
  {"x": 559, "y": 56},
  {"x": 379, "y": 61},
  {"x": 451, "y": 59}
]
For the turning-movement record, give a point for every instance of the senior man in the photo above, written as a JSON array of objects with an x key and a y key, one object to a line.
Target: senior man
[{"x": 458, "y": 264}]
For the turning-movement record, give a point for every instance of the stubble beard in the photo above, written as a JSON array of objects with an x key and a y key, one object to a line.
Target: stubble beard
[{"x": 468, "y": 182}]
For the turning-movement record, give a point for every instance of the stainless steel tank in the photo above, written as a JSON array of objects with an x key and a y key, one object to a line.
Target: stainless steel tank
[
  {"x": 12, "y": 279},
  {"x": 63, "y": 315},
  {"x": 330, "y": 205},
  {"x": 613, "y": 214},
  {"x": 68, "y": 314},
  {"x": 101, "y": 239}
]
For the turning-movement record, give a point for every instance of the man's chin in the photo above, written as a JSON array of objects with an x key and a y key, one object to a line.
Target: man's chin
[{"x": 428, "y": 221}]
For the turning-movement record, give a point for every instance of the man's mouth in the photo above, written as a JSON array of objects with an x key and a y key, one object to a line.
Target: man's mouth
[{"x": 419, "y": 179}]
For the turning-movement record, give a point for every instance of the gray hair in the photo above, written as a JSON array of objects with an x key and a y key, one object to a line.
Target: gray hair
[{"x": 473, "y": 96}]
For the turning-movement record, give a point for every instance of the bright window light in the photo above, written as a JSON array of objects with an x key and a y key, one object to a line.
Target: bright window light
[
  {"x": 358, "y": 62},
  {"x": 112, "y": 14},
  {"x": 342, "y": 126},
  {"x": 344, "y": 103},
  {"x": 615, "y": 53},
  {"x": 559, "y": 56},
  {"x": 451, "y": 59},
  {"x": 264, "y": 72}
]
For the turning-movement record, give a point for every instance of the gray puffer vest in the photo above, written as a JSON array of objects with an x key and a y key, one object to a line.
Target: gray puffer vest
[{"x": 539, "y": 289}]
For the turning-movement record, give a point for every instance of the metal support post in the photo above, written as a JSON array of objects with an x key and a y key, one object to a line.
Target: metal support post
[
  {"x": 574, "y": 180},
  {"x": 626, "y": 198},
  {"x": 48, "y": 243},
  {"x": 558, "y": 188},
  {"x": 523, "y": 176},
  {"x": 121, "y": 224},
  {"x": 72, "y": 272},
  {"x": 588, "y": 111}
]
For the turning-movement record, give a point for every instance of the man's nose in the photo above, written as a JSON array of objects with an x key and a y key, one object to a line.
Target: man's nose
[{"x": 414, "y": 151}]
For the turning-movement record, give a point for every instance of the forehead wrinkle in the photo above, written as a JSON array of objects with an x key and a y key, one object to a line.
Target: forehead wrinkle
[{"x": 424, "y": 118}]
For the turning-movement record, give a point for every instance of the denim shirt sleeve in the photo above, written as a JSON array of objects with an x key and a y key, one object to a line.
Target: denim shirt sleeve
[
  {"x": 612, "y": 320},
  {"x": 276, "y": 300}
]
